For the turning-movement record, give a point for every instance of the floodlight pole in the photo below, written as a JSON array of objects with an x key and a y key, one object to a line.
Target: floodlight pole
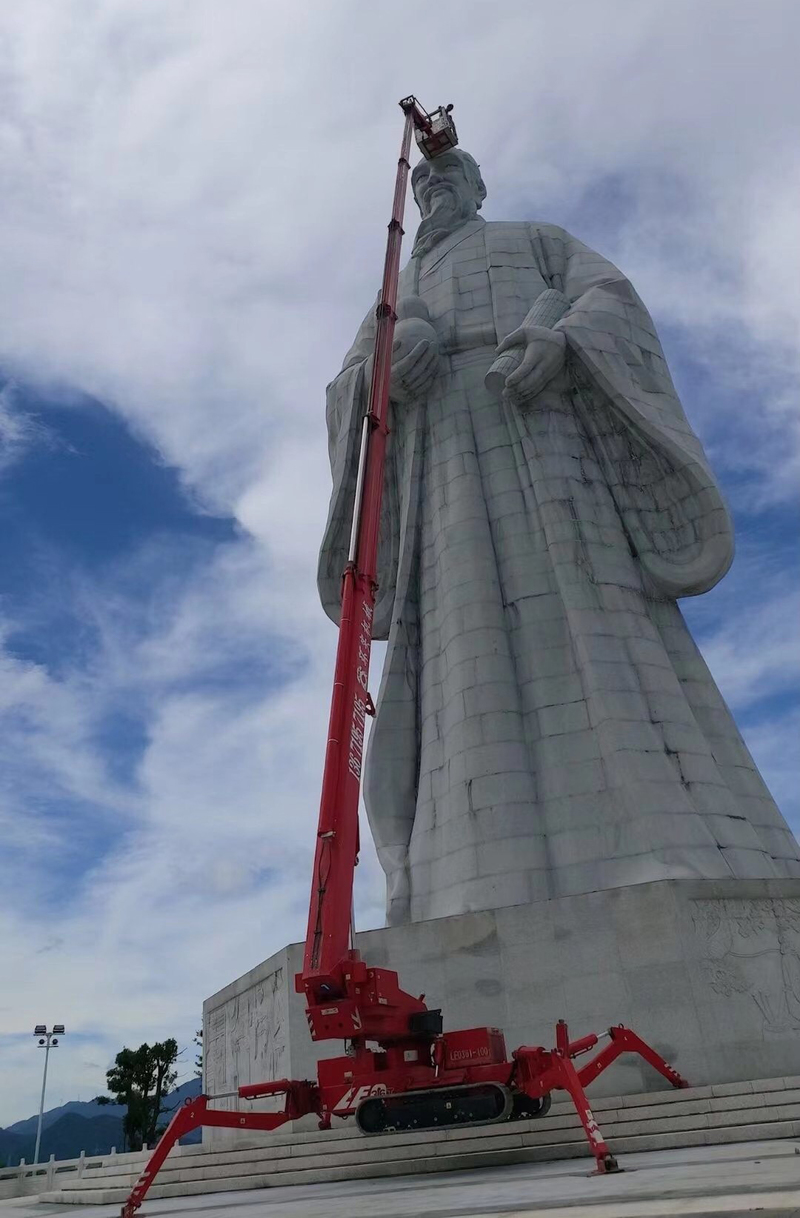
[
  {"x": 44, "y": 1042},
  {"x": 41, "y": 1103}
]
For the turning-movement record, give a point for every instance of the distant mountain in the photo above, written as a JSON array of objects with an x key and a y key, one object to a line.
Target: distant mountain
[
  {"x": 80, "y": 1108},
  {"x": 65, "y": 1138},
  {"x": 78, "y": 1125}
]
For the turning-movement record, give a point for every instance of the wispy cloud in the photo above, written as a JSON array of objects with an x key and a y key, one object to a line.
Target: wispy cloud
[
  {"x": 754, "y": 651},
  {"x": 19, "y": 430}
]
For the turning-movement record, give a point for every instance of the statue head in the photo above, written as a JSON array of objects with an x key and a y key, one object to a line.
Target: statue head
[{"x": 449, "y": 191}]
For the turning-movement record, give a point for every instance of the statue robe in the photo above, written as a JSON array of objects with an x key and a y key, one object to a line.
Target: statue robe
[{"x": 545, "y": 723}]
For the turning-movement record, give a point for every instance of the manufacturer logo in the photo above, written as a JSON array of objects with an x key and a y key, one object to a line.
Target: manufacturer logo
[{"x": 356, "y": 1095}]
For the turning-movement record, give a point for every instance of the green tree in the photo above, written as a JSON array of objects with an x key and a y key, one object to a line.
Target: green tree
[{"x": 140, "y": 1078}]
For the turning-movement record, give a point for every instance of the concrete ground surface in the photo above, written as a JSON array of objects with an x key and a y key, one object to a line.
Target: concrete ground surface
[{"x": 705, "y": 1182}]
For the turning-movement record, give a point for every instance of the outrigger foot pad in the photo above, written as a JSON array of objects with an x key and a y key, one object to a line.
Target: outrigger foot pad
[{"x": 606, "y": 1166}]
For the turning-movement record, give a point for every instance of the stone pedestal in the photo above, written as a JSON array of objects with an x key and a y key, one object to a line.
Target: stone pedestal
[{"x": 707, "y": 971}]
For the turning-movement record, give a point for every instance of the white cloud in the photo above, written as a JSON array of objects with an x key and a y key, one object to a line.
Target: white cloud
[
  {"x": 19, "y": 430},
  {"x": 196, "y": 208},
  {"x": 755, "y": 654},
  {"x": 191, "y": 228}
]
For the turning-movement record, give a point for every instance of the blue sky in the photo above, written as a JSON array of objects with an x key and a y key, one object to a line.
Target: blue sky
[
  {"x": 190, "y": 233},
  {"x": 90, "y": 506}
]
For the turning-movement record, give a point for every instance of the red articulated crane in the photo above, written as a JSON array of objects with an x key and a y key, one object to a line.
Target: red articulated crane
[{"x": 400, "y": 1071}]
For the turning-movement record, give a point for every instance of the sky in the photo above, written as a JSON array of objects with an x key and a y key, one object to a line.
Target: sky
[{"x": 192, "y": 225}]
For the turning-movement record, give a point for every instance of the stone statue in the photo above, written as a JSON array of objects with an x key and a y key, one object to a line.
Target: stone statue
[{"x": 545, "y": 724}]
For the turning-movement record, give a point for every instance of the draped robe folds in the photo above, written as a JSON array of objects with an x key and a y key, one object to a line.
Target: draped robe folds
[{"x": 545, "y": 723}]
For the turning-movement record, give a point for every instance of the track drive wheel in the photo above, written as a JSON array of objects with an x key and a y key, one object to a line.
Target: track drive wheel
[{"x": 526, "y": 1107}]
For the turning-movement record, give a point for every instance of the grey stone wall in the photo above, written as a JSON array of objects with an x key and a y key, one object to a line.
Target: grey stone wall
[{"x": 707, "y": 971}]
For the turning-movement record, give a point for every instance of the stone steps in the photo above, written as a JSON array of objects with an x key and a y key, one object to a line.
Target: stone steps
[{"x": 734, "y": 1112}]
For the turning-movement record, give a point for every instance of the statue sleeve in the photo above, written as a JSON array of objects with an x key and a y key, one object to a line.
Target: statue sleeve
[
  {"x": 655, "y": 465},
  {"x": 346, "y": 401}
]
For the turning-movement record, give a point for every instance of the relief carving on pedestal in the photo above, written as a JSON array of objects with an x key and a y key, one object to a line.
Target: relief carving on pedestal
[
  {"x": 214, "y": 1038},
  {"x": 247, "y": 1039},
  {"x": 752, "y": 947},
  {"x": 270, "y": 1047}
]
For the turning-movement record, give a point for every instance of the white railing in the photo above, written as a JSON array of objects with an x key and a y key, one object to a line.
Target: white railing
[{"x": 27, "y": 1178}]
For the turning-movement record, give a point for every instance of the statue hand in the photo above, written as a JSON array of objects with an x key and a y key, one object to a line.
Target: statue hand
[
  {"x": 543, "y": 352},
  {"x": 413, "y": 375}
]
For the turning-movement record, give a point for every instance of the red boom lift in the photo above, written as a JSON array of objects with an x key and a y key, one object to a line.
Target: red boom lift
[{"x": 400, "y": 1070}]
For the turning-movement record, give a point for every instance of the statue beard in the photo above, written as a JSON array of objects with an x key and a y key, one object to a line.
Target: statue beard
[{"x": 449, "y": 212}]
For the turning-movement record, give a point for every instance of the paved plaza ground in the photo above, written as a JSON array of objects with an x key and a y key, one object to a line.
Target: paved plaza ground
[{"x": 740, "y": 1178}]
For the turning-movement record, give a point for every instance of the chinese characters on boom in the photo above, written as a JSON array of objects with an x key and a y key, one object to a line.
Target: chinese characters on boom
[{"x": 361, "y": 699}]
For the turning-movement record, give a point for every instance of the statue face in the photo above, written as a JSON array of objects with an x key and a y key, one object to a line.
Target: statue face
[
  {"x": 448, "y": 190},
  {"x": 444, "y": 184}
]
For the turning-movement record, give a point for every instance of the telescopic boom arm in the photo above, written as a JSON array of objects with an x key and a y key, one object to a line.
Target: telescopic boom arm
[{"x": 327, "y": 951}]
